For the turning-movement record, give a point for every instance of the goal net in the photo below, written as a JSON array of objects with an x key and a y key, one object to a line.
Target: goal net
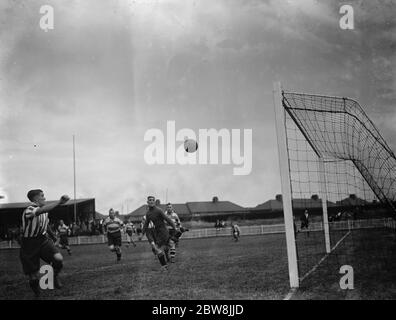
[{"x": 339, "y": 179}]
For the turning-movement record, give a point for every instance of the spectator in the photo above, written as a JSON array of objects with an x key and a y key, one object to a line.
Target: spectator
[
  {"x": 305, "y": 221},
  {"x": 217, "y": 225},
  {"x": 93, "y": 228},
  {"x": 75, "y": 229}
]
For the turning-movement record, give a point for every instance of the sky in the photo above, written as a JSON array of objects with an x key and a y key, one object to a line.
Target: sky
[{"x": 109, "y": 71}]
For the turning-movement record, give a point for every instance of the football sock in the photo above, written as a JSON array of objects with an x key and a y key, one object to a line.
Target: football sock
[
  {"x": 57, "y": 266},
  {"x": 162, "y": 259},
  {"x": 34, "y": 285},
  {"x": 172, "y": 251}
]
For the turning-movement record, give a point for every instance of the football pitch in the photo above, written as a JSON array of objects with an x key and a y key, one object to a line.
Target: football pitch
[{"x": 211, "y": 268}]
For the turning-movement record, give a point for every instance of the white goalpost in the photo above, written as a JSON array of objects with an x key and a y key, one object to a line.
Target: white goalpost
[
  {"x": 334, "y": 163},
  {"x": 286, "y": 187}
]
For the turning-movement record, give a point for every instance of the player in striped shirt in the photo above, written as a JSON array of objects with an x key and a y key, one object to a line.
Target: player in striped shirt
[
  {"x": 112, "y": 226},
  {"x": 64, "y": 231},
  {"x": 35, "y": 242},
  {"x": 129, "y": 229},
  {"x": 174, "y": 235}
]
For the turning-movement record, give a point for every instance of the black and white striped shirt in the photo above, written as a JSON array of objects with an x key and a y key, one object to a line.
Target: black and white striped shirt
[{"x": 33, "y": 225}]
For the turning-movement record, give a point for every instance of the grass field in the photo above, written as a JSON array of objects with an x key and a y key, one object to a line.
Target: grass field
[
  {"x": 372, "y": 255},
  {"x": 215, "y": 268}
]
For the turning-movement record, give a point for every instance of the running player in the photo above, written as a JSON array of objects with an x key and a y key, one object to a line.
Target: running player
[
  {"x": 64, "y": 231},
  {"x": 129, "y": 228},
  {"x": 235, "y": 231},
  {"x": 173, "y": 234},
  {"x": 139, "y": 229},
  {"x": 112, "y": 226},
  {"x": 35, "y": 244},
  {"x": 149, "y": 234},
  {"x": 160, "y": 239},
  {"x": 305, "y": 221}
]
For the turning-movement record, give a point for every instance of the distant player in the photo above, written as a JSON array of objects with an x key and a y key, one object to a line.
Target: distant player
[
  {"x": 112, "y": 226},
  {"x": 129, "y": 229},
  {"x": 139, "y": 229},
  {"x": 160, "y": 239},
  {"x": 64, "y": 232},
  {"x": 35, "y": 243},
  {"x": 305, "y": 221},
  {"x": 173, "y": 233},
  {"x": 235, "y": 231}
]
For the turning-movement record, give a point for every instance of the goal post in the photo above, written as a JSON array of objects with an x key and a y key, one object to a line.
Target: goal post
[
  {"x": 286, "y": 187},
  {"x": 335, "y": 165},
  {"x": 323, "y": 194}
]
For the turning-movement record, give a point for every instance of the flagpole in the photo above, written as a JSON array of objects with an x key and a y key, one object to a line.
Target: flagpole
[{"x": 74, "y": 179}]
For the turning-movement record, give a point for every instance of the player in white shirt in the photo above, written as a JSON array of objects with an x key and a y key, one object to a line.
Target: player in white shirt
[
  {"x": 64, "y": 232},
  {"x": 174, "y": 234},
  {"x": 129, "y": 229},
  {"x": 235, "y": 231}
]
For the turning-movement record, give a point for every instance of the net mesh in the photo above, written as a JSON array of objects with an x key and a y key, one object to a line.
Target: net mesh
[{"x": 336, "y": 156}]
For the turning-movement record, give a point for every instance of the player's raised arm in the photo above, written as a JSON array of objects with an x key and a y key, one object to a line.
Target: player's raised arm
[{"x": 47, "y": 207}]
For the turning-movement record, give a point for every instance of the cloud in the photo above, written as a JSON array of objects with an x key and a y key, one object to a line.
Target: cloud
[{"x": 111, "y": 70}]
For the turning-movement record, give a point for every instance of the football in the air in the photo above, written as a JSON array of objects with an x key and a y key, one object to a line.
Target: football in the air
[{"x": 190, "y": 145}]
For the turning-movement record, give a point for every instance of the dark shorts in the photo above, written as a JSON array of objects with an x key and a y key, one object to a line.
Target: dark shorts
[
  {"x": 34, "y": 249},
  {"x": 129, "y": 233},
  {"x": 150, "y": 235},
  {"x": 114, "y": 238},
  {"x": 304, "y": 224},
  {"x": 161, "y": 236},
  {"x": 63, "y": 241}
]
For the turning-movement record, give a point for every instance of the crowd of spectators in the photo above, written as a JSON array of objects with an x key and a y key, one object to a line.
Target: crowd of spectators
[
  {"x": 220, "y": 224},
  {"x": 81, "y": 228}
]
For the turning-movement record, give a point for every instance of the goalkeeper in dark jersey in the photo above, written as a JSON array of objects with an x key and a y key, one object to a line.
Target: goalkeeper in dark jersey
[{"x": 160, "y": 234}]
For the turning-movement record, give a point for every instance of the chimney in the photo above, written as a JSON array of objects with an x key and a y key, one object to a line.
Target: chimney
[{"x": 315, "y": 197}]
